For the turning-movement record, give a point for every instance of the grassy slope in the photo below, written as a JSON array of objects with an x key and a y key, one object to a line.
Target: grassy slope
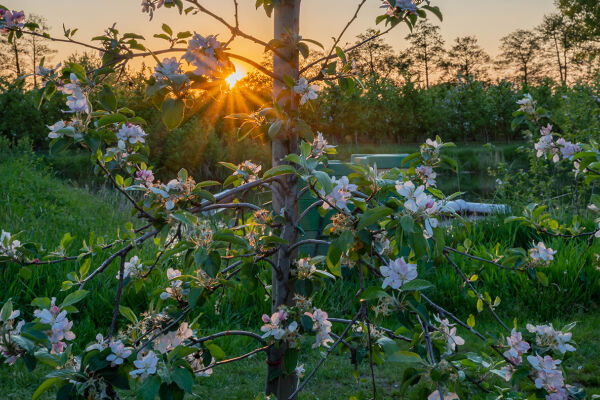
[{"x": 33, "y": 201}]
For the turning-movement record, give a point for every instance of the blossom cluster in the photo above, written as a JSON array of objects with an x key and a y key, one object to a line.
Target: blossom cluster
[
  {"x": 149, "y": 6},
  {"x": 276, "y": 326},
  {"x": 395, "y": 6},
  {"x": 305, "y": 90},
  {"x": 320, "y": 145},
  {"x": 527, "y": 104},
  {"x": 541, "y": 255},
  {"x": 175, "y": 289},
  {"x": 10, "y": 350},
  {"x": 547, "y": 146},
  {"x": 166, "y": 68},
  {"x": 8, "y": 245},
  {"x": 206, "y": 54},
  {"x": 516, "y": 348},
  {"x": 430, "y": 151},
  {"x": 130, "y": 133},
  {"x": 60, "y": 326},
  {"x": 547, "y": 336},
  {"x": 10, "y": 20},
  {"x": 133, "y": 268},
  {"x": 397, "y": 273},
  {"x": 549, "y": 377},
  {"x": 248, "y": 171},
  {"x": 339, "y": 196},
  {"x": 420, "y": 204},
  {"x": 76, "y": 100},
  {"x": 448, "y": 330},
  {"x": 322, "y": 326}
]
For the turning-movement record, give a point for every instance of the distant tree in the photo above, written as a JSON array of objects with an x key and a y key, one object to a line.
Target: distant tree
[
  {"x": 22, "y": 55},
  {"x": 377, "y": 58},
  {"x": 426, "y": 48},
  {"x": 466, "y": 58},
  {"x": 38, "y": 47},
  {"x": 520, "y": 50},
  {"x": 561, "y": 37},
  {"x": 584, "y": 13}
]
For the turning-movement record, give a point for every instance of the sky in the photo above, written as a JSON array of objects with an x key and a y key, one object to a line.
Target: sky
[{"x": 488, "y": 20}]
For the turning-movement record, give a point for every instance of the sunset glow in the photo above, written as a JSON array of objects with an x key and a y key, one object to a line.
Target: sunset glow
[{"x": 235, "y": 77}]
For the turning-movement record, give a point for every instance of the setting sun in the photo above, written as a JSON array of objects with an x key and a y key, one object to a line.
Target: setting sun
[{"x": 235, "y": 77}]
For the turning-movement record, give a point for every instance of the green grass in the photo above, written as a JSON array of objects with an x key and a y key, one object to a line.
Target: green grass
[{"x": 44, "y": 207}]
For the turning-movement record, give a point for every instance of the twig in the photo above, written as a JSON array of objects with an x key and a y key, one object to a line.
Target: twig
[
  {"x": 123, "y": 251},
  {"x": 425, "y": 328},
  {"x": 480, "y": 297},
  {"x": 308, "y": 241},
  {"x": 322, "y": 360},
  {"x": 113, "y": 323},
  {"x": 265, "y": 348},
  {"x": 230, "y": 333},
  {"x": 120, "y": 189},
  {"x": 388, "y": 332},
  {"x": 481, "y": 259}
]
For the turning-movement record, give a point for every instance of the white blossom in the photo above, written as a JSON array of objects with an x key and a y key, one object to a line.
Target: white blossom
[
  {"x": 8, "y": 245},
  {"x": 118, "y": 353},
  {"x": 60, "y": 326},
  {"x": 175, "y": 284},
  {"x": 145, "y": 365},
  {"x": 131, "y": 133},
  {"x": 341, "y": 193},
  {"x": 397, "y": 273},
  {"x": 541, "y": 255},
  {"x": 322, "y": 326},
  {"x": 547, "y": 336},
  {"x": 248, "y": 170},
  {"x": 306, "y": 91}
]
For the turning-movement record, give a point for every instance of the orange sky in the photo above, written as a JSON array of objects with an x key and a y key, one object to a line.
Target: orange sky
[{"x": 489, "y": 20}]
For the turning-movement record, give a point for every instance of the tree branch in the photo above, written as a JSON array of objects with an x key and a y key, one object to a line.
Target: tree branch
[{"x": 123, "y": 251}]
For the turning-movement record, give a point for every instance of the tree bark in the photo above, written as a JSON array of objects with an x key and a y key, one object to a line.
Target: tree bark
[{"x": 285, "y": 190}]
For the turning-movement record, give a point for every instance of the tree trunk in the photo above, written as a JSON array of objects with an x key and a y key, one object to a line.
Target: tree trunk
[
  {"x": 285, "y": 202},
  {"x": 16, "y": 51},
  {"x": 426, "y": 67},
  {"x": 34, "y": 59}
]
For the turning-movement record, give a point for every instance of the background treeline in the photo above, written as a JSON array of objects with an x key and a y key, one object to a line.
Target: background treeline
[{"x": 454, "y": 90}]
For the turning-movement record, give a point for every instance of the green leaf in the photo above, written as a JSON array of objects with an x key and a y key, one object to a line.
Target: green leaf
[
  {"x": 373, "y": 293},
  {"x": 479, "y": 305},
  {"x": 230, "y": 238},
  {"x": 471, "y": 320},
  {"x": 324, "y": 180},
  {"x": 172, "y": 112},
  {"x": 417, "y": 284},
  {"x": 405, "y": 357},
  {"x": 7, "y": 309},
  {"x": 183, "y": 378},
  {"x": 290, "y": 360},
  {"x": 306, "y": 322},
  {"x": 407, "y": 223},
  {"x": 45, "y": 386},
  {"x": 108, "y": 98},
  {"x": 374, "y": 215},
  {"x": 111, "y": 119},
  {"x": 167, "y": 29},
  {"x": 279, "y": 170},
  {"x": 128, "y": 313},
  {"x": 275, "y": 128},
  {"x": 149, "y": 389},
  {"x": 216, "y": 351},
  {"x": 74, "y": 298}
]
